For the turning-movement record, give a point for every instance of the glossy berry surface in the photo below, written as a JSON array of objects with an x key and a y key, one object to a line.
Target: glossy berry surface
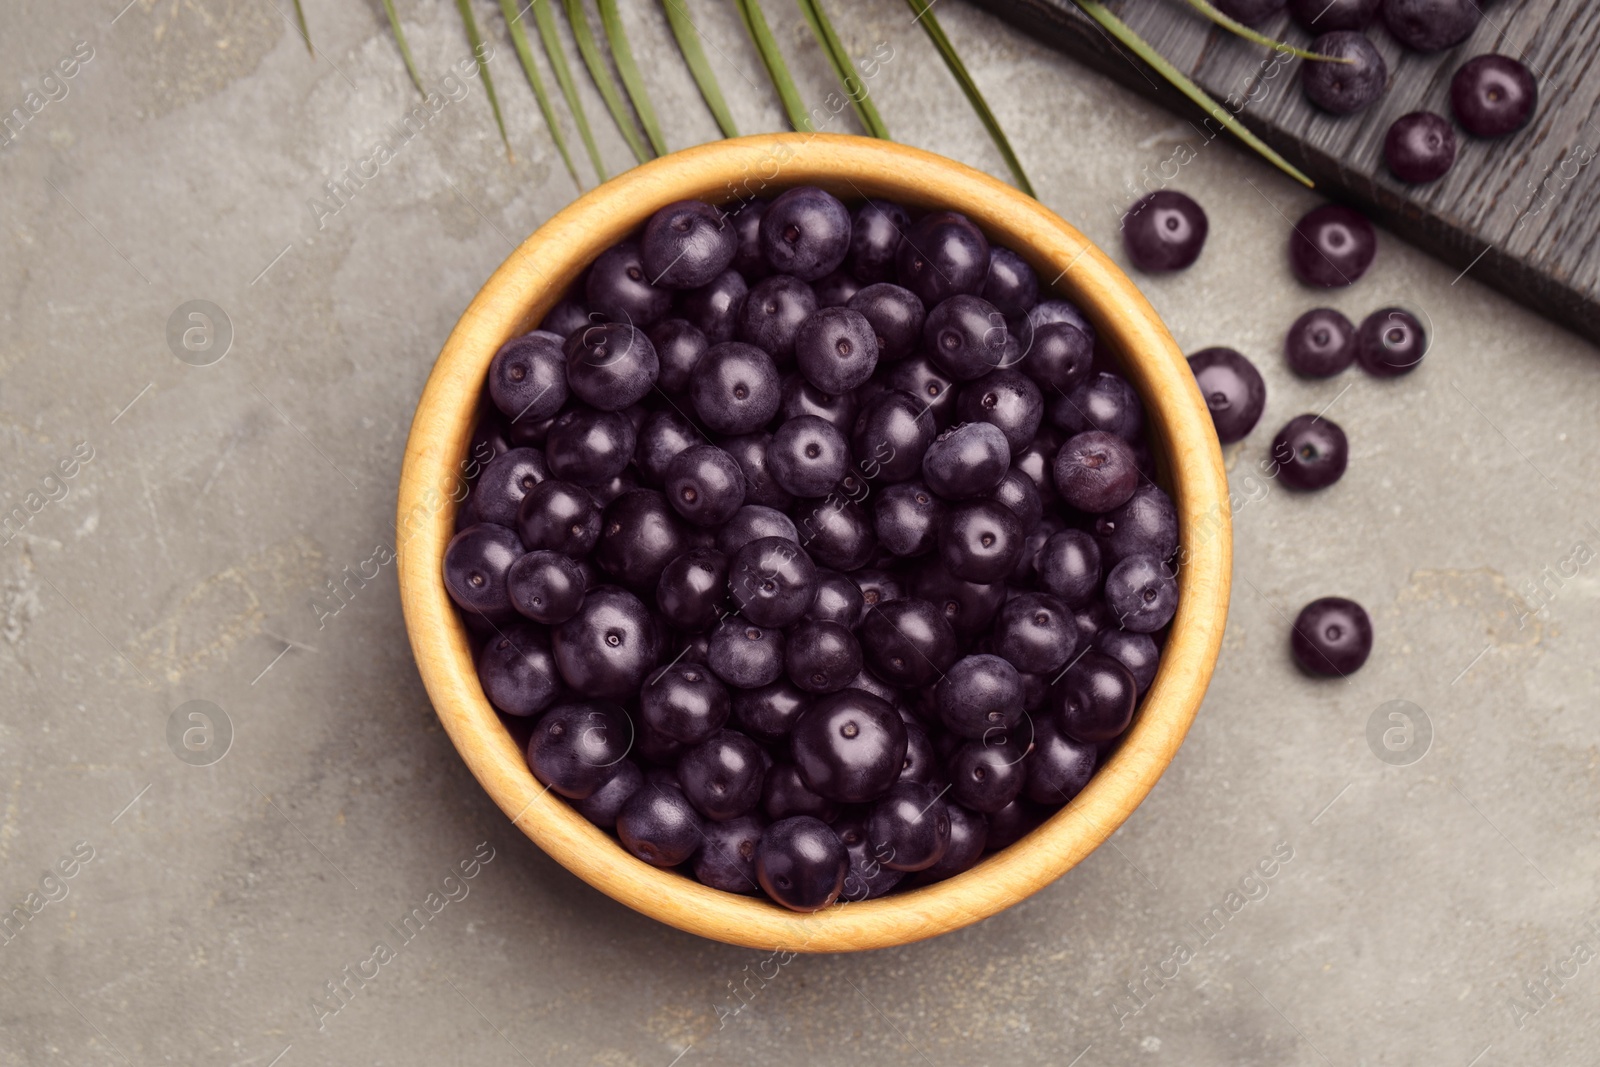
[
  {"x": 838, "y": 599},
  {"x": 1058, "y": 356},
  {"x": 604, "y": 805},
  {"x": 546, "y": 586},
  {"x": 896, "y": 317},
  {"x": 1164, "y": 231},
  {"x": 909, "y": 827},
  {"x": 1420, "y": 147},
  {"x": 1012, "y": 286},
  {"x": 618, "y": 289},
  {"x": 1069, "y": 567},
  {"x": 891, "y": 435},
  {"x": 1347, "y": 87},
  {"x": 505, "y": 481},
  {"x": 1137, "y": 652},
  {"x": 906, "y": 519},
  {"x": 574, "y": 747},
  {"x": 745, "y": 655},
  {"x": 687, "y": 244},
  {"x": 722, "y": 775},
  {"x": 1332, "y": 246},
  {"x": 943, "y": 254},
  {"x": 966, "y": 337},
  {"x": 589, "y": 446},
  {"x": 966, "y": 461},
  {"x": 527, "y": 377},
  {"x": 1147, "y": 524},
  {"x": 1097, "y": 698},
  {"x": 979, "y": 541},
  {"x": 1008, "y": 400},
  {"x": 1233, "y": 390},
  {"x": 1095, "y": 471},
  {"x": 876, "y": 229},
  {"x": 849, "y": 747},
  {"x": 727, "y": 857},
  {"x": 517, "y": 671},
  {"x": 1320, "y": 344},
  {"x": 868, "y": 877},
  {"x": 684, "y": 702},
  {"x": 1142, "y": 593},
  {"x": 477, "y": 563},
  {"x": 639, "y": 535},
  {"x": 692, "y": 592},
  {"x": 1493, "y": 95},
  {"x": 979, "y": 694},
  {"x": 1104, "y": 401},
  {"x": 1035, "y": 633},
  {"x": 1058, "y": 766},
  {"x": 836, "y": 349},
  {"x": 805, "y": 232},
  {"x": 988, "y": 773},
  {"x": 735, "y": 388},
  {"x": 713, "y": 309},
  {"x": 1431, "y": 25},
  {"x": 808, "y": 455},
  {"x": 704, "y": 485},
  {"x": 1390, "y": 342},
  {"x": 1310, "y": 453},
  {"x": 772, "y": 581},
  {"x": 608, "y": 647},
  {"x": 1331, "y": 636},
  {"x": 821, "y": 657},
  {"x": 801, "y": 863},
  {"x": 679, "y": 345},
  {"x": 659, "y": 825}
]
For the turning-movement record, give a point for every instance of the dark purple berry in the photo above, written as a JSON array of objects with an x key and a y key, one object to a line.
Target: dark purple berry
[
  {"x": 1137, "y": 652},
  {"x": 942, "y": 255},
  {"x": 608, "y": 647},
  {"x": 1097, "y": 698},
  {"x": 1320, "y": 344},
  {"x": 546, "y": 586},
  {"x": 745, "y": 655},
  {"x": 838, "y": 600},
  {"x": 988, "y": 773},
  {"x": 908, "y": 642},
  {"x": 705, "y": 485},
  {"x": 979, "y": 694},
  {"x": 1069, "y": 567},
  {"x": 747, "y": 259},
  {"x": 1233, "y": 391},
  {"x": 1095, "y": 471},
  {"x": 574, "y": 748},
  {"x": 659, "y": 825},
  {"x": 1006, "y": 399},
  {"x": 684, "y": 702},
  {"x": 966, "y": 461},
  {"x": 517, "y": 671},
  {"x": 805, "y": 232},
  {"x": 566, "y": 317},
  {"x": 783, "y": 794},
  {"x": 1035, "y": 633},
  {"x": 604, "y": 805},
  {"x": 968, "y": 833},
  {"x": 722, "y": 775},
  {"x": 801, "y": 863},
  {"x": 769, "y": 712},
  {"x": 979, "y": 541},
  {"x": 896, "y": 317},
  {"x": 849, "y": 746},
  {"x": 1431, "y": 25},
  {"x": 1011, "y": 286},
  {"x": 837, "y": 533},
  {"x": 892, "y": 432},
  {"x": 1142, "y": 593},
  {"x": 910, "y": 827},
  {"x": 1331, "y": 636},
  {"x": 1310, "y": 452},
  {"x": 1058, "y": 766},
  {"x": 619, "y": 289},
  {"x": 800, "y": 397},
  {"x": 477, "y": 563},
  {"x": 713, "y": 309},
  {"x": 692, "y": 592},
  {"x": 808, "y": 456},
  {"x": 835, "y": 290},
  {"x": 687, "y": 244},
  {"x": 868, "y": 877},
  {"x": 505, "y": 481},
  {"x": 1420, "y": 147},
  {"x": 589, "y": 447},
  {"x": 1332, "y": 246},
  {"x": 836, "y": 349},
  {"x": 1391, "y": 342},
  {"x": 527, "y": 378},
  {"x": 1493, "y": 95},
  {"x": 1321, "y": 16},
  {"x": 735, "y": 388},
  {"x": 772, "y": 581},
  {"x": 821, "y": 657},
  {"x": 760, "y": 489},
  {"x": 1164, "y": 231},
  {"x": 772, "y": 314},
  {"x": 753, "y": 521},
  {"x": 639, "y": 535},
  {"x": 933, "y": 390},
  {"x": 727, "y": 858},
  {"x": 906, "y": 519},
  {"x": 966, "y": 337},
  {"x": 679, "y": 346},
  {"x": 875, "y": 233},
  {"x": 1343, "y": 88},
  {"x": 1106, "y": 402},
  {"x": 1147, "y": 524}
]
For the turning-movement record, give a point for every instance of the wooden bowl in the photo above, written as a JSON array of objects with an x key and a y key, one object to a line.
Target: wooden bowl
[{"x": 516, "y": 298}]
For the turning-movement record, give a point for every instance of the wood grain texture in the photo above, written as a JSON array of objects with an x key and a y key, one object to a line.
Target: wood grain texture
[
  {"x": 1522, "y": 212},
  {"x": 532, "y": 279}
]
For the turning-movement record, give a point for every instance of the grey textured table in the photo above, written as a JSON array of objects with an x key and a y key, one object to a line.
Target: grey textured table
[{"x": 209, "y": 907}]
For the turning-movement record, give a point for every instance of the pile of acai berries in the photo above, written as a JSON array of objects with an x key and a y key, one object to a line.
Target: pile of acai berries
[{"x": 818, "y": 554}]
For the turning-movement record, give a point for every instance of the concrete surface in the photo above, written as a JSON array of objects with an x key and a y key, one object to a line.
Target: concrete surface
[{"x": 180, "y": 563}]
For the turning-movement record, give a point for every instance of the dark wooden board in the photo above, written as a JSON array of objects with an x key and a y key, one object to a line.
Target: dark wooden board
[{"x": 1520, "y": 213}]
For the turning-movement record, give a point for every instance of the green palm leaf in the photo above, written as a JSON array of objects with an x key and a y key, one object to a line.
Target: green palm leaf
[
  {"x": 405, "y": 49},
  {"x": 947, "y": 51},
  {"x": 617, "y": 39},
  {"x": 474, "y": 39},
  {"x": 843, "y": 68},
  {"x": 689, "y": 44},
  {"x": 1233, "y": 25},
  {"x": 551, "y": 39},
  {"x": 600, "y": 74},
  {"x": 519, "y": 40},
  {"x": 755, "y": 23},
  {"x": 305, "y": 31},
  {"x": 1139, "y": 47}
]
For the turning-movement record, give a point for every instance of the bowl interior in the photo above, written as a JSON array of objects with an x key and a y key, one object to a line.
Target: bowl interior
[{"x": 539, "y": 272}]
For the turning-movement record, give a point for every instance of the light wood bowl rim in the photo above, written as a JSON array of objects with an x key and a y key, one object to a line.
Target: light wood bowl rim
[{"x": 516, "y": 298}]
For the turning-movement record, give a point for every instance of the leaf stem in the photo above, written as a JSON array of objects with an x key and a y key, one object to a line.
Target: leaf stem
[
  {"x": 755, "y": 23},
  {"x": 405, "y": 49},
  {"x": 843, "y": 68},
  {"x": 551, "y": 39},
  {"x": 1139, "y": 47},
  {"x": 476, "y": 40},
  {"x": 617, "y": 39},
  {"x": 947, "y": 51},
  {"x": 519, "y": 40},
  {"x": 1233, "y": 25},
  {"x": 600, "y": 74},
  {"x": 688, "y": 36}
]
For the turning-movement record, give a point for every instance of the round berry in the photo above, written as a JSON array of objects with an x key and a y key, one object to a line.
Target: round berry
[
  {"x": 722, "y": 775},
  {"x": 1420, "y": 147},
  {"x": 772, "y": 581},
  {"x": 768, "y": 712},
  {"x": 727, "y": 858},
  {"x": 980, "y": 541},
  {"x": 1332, "y": 246},
  {"x": 619, "y": 290},
  {"x": 745, "y": 655},
  {"x": 849, "y": 746},
  {"x": 978, "y": 694},
  {"x": 1106, "y": 402},
  {"x": 988, "y": 774},
  {"x": 1137, "y": 652},
  {"x": 517, "y": 671},
  {"x": 505, "y": 482},
  {"x": 527, "y": 377},
  {"x": 477, "y": 564},
  {"x": 574, "y": 748},
  {"x": 1331, "y": 636},
  {"x": 604, "y": 805},
  {"x": 836, "y": 349},
  {"x": 1069, "y": 567},
  {"x": 1097, "y": 698},
  {"x": 1493, "y": 95},
  {"x": 735, "y": 388},
  {"x": 966, "y": 337},
  {"x": 1006, "y": 399},
  {"x": 1164, "y": 231},
  {"x": 821, "y": 657},
  {"x": 876, "y": 229},
  {"x": 966, "y": 461},
  {"x": 1343, "y": 88},
  {"x": 805, "y": 232},
  {"x": 891, "y": 434},
  {"x": 906, "y": 519},
  {"x": 691, "y": 593},
  {"x": 687, "y": 244},
  {"x": 1391, "y": 342},
  {"x": 589, "y": 447},
  {"x": 1058, "y": 766},
  {"x": 1011, "y": 286},
  {"x": 546, "y": 586},
  {"x": 659, "y": 825},
  {"x": 1233, "y": 391},
  {"x": 908, "y": 642},
  {"x": 705, "y": 485},
  {"x": 1310, "y": 452},
  {"x": 713, "y": 309},
  {"x": 1147, "y": 524},
  {"x": 639, "y": 535},
  {"x": 896, "y": 317},
  {"x": 942, "y": 255},
  {"x": 910, "y": 827},
  {"x": 801, "y": 863},
  {"x": 1431, "y": 25},
  {"x": 1142, "y": 593},
  {"x": 608, "y": 647},
  {"x": 1095, "y": 471},
  {"x": 838, "y": 600},
  {"x": 684, "y": 702},
  {"x": 679, "y": 345},
  {"x": 1320, "y": 344},
  {"x": 808, "y": 456},
  {"x": 1035, "y": 633},
  {"x": 760, "y": 488}
]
